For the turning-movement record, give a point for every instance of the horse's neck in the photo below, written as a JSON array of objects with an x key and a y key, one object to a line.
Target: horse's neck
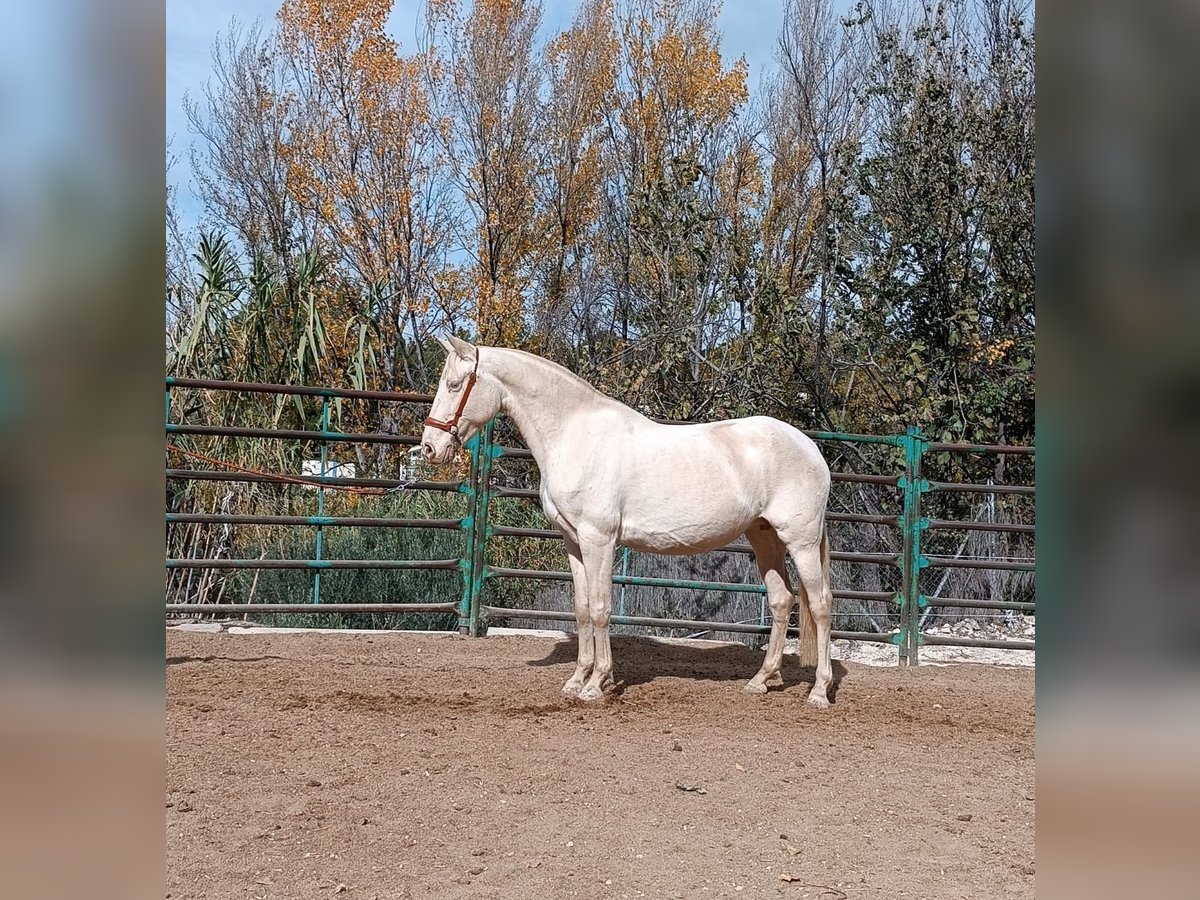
[{"x": 539, "y": 396}]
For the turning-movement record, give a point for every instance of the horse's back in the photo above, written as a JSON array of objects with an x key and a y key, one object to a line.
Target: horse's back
[
  {"x": 767, "y": 446},
  {"x": 689, "y": 487}
]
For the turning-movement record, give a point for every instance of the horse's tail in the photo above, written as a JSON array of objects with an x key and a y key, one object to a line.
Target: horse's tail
[{"x": 808, "y": 626}]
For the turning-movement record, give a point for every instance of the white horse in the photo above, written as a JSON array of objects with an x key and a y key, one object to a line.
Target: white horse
[{"x": 611, "y": 476}]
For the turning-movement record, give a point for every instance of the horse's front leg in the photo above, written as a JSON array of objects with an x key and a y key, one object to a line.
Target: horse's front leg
[
  {"x": 583, "y": 621},
  {"x": 597, "y": 562}
]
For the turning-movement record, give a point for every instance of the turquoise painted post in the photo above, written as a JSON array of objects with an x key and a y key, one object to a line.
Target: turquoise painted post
[
  {"x": 912, "y": 524},
  {"x": 476, "y": 529},
  {"x": 320, "y": 541},
  {"x": 624, "y": 573},
  {"x": 466, "y": 565},
  {"x": 487, "y": 453}
]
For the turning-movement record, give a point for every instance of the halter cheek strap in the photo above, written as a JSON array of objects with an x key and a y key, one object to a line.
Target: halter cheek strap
[{"x": 451, "y": 425}]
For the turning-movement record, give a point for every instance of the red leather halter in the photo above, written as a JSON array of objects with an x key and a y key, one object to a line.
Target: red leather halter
[{"x": 450, "y": 426}]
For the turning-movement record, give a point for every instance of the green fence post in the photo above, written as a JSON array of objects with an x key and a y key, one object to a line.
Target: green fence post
[
  {"x": 486, "y": 453},
  {"x": 320, "y": 539},
  {"x": 474, "y": 561},
  {"x": 913, "y": 486},
  {"x": 467, "y": 563},
  {"x": 624, "y": 573}
]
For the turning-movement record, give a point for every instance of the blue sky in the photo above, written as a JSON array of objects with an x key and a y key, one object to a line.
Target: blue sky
[{"x": 749, "y": 29}]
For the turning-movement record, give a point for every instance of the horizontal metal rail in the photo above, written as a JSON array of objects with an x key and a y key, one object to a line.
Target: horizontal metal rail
[
  {"x": 545, "y": 575},
  {"x": 890, "y": 480},
  {"x": 838, "y": 437},
  {"x": 318, "y": 608},
  {"x": 250, "y": 387},
  {"x": 500, "y": 612},
  {"x": 312, "y": 563},
  {"x": 953, "y": 525},
  {"x": 950, "y": 487},
  {"x": 884, "y": 596},
  {"x": 975, "y": 604},
  {"x": 343, "y": 521},
  {"x": 522, "y": 493},
  {"x": 548, "y": 534},
  {"x": 940, "y": 640},
  {"x": 1008, "y": 449},
  {"x": 640, "y": 581},
  {"x": 524, "y": 453},
  {"x": 452, "y": 487},
  {"x": 292, "y": 434},
  {"x": 736, "y": 547},
  {"x": 893, "y": 521},
  {"x": 888, "y": 439},
  {"x": 950, "y": 562},
  {"x": 870, "y": 559}
]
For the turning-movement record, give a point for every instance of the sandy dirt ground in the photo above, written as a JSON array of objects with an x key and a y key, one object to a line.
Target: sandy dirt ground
[{"x": 415, "y": 765}]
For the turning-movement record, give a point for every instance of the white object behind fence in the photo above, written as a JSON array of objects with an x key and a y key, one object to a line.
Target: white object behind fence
[{"x": 311, "y": 468}]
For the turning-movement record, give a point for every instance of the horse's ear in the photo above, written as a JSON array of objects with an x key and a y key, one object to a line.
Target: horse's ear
[
  {"x": 449, "y": 348},
  {"x": 466, "y": 352}
]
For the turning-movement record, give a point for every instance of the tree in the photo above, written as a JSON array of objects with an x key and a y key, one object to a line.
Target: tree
[
  {"x": 364, "y": 163},
  {"x": 179, "y": 279},
  {"x": 239, "y": 162},
  {"x": 665, "y": 226},
  {"x": 491, "y": 97},
  {"x": 855, "y": 250},
  {"x": 815, "y": 120},
  {"x": 934, "y": 297},
  {"x": 581, "y": 70}
]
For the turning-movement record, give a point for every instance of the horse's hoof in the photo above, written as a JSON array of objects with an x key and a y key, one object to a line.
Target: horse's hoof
[
  {"x": 819, "y": 700},
  {"x": 590, "y": 692},
  {"x": 755, "y": 687},
  {"x": 571, "y": 688}
]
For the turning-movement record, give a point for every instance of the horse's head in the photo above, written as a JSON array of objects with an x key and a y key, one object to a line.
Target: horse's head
[{"x": 464, "y": 402}]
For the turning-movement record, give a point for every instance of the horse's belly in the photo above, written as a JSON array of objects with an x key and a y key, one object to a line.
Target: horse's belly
[
  {"x": 674, "y": 538},
  {"x": 690, "y": 508}
]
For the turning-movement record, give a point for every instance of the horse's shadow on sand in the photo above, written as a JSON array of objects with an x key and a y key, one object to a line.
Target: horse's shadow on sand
[
  {"x": 181, "y": 660},
  {"x": 640, "y": 660}
]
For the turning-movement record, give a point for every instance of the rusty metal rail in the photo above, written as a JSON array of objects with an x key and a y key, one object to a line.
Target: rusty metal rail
[
  {"x": 328, "y": 521},
  {"x": 287, "y": 434},
  {"x": 273, "y": 609}
]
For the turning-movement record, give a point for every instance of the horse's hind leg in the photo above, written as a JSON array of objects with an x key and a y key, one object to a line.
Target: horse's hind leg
[
  {"x": 769, "y": 553},
  {"x": 816, "y": 611}
]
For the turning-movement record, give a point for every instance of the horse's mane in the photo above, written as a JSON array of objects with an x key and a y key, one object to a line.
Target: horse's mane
[{"x": 560, "y": 370}]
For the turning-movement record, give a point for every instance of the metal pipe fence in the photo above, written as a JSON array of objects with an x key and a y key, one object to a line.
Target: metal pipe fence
[{"x": 919, "y": 543}]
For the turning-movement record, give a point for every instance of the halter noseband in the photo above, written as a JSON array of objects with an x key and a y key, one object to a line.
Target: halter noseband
[{"x": 450, "y": 426}]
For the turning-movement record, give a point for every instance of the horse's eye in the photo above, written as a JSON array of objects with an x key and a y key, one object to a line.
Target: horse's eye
[{"x": 454, "y": 385}]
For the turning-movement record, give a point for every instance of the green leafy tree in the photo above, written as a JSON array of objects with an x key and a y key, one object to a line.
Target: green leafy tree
[{"x": 936, "y": 303}]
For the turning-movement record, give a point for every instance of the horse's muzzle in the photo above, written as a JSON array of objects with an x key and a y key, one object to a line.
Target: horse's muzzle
[{"x": 439, "y": 446}]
